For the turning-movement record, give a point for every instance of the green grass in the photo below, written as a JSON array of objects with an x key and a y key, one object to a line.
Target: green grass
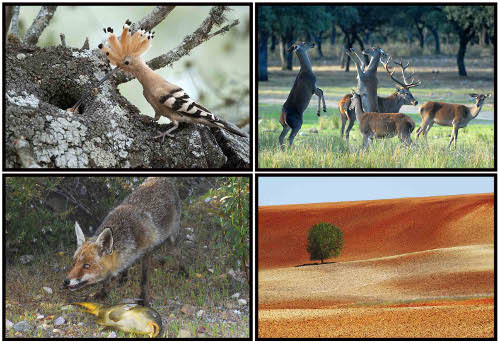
[
  {"x": 440, "y": 82},
  {"x": 327, "y": 150}
]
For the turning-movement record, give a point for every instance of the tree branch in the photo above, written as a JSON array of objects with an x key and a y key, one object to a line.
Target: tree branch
[
  {"x": 63, "y": 40},
  {"x": 155, "y": 17},
  {"x": 14, "y": 26},
  {"x": 69, "y": 196},
  {"x": 41, "y": 21},
  {"x": 202, "y": 34},
  {"x": 9, "y": 11}
]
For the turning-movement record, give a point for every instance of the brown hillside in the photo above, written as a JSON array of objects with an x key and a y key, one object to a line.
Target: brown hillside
[{"x": 376, "y": 228}]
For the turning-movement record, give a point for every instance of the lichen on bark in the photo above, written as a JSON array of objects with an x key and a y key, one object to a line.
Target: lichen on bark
[{"x": 41, "y": 83}]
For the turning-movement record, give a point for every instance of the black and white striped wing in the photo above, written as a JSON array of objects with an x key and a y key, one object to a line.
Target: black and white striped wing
[{"x": 179, "y": 101}]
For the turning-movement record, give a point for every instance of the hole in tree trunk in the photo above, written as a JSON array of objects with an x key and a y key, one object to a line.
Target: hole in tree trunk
[{"x": 66, "y": 97}]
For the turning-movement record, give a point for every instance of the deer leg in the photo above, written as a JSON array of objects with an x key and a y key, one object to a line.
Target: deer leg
[
  {"x": 343, "y": 120},
  {"x": 319, "y": 93},
  {"x": 349, "y": 127},
  {"x": 285, "y": 131},
  {"x": 405, "y": 137},
  {"x": 426, "y": 130},
  {"x": 323, "y": 98},
  {"x": 295, "y": 130},
  {"x": 360, "y": 59},
  {"x": 358, "y": 67},
  {"x": 454, "y": 135},
  {"x": 366, "y": 137},
  {"x": 421, "y": 129}
]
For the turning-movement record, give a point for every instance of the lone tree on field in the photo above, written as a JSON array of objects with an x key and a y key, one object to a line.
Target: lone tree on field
[{"x": 324, "y": 241}]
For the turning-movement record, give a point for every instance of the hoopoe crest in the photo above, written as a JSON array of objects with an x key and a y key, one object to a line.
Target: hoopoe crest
[{"x": 166, "y": 98}]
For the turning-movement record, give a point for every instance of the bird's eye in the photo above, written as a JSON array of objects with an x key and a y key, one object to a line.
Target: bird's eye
[
  {"x": 86, "y": 266},
  {"x": 127, "y": 62}
]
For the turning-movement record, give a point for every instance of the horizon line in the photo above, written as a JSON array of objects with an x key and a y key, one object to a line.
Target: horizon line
[{"x": 406, "y": 197}]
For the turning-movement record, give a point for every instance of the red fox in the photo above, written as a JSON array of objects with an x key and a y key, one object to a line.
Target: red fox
[{"x": 144, "y": 220}]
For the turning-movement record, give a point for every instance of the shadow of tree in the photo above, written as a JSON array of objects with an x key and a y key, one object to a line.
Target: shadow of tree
[{"x": 312, "y": 264}]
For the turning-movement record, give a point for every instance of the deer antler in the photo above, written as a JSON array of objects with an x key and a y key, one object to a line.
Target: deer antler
[
  {"x": 407, "y": 84},
  {"x": 391, "y": 74}
]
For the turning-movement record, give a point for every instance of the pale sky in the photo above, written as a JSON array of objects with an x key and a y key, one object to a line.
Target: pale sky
[{"x": 303, "y": 190}]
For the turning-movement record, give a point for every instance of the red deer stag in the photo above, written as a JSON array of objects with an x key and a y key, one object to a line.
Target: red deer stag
[
  {"x": 300, "y": 95},
  {"x": 382, "y": 125},
  {"x": 390, "y": 104},
  {"x": 445, "y": 114}
]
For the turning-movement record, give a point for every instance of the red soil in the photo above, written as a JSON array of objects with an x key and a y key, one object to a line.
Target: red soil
[{"x": 376, "y": 228}]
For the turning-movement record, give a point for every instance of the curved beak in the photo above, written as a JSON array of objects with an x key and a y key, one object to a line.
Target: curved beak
[
  {"x": 107, "y": 76},
  {"x": 84, "y": 96}
]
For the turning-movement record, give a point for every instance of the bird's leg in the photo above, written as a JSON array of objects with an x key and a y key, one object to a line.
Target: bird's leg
[
  {"x": 157, "y": 116},
  {"x": 167, "y": 133}
]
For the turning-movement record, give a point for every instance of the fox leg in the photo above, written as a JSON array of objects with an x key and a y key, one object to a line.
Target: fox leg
[
  {"x": 146, "y": 261},
  {"x": 103, "y": 293},
  {"x": 123, "y": 277}
]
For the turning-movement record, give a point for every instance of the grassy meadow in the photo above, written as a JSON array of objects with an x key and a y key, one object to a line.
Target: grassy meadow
[{"x": 440, "y": 82}]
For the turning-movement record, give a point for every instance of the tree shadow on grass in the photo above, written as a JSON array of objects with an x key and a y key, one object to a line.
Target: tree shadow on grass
[{"x": 312, "y": 264}]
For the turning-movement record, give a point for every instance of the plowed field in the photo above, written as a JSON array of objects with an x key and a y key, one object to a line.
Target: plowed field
[{"x": 418, "y": 267}]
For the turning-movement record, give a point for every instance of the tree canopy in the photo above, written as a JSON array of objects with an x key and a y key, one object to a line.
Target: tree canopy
[
  {"x": 368, "y": 25},
  {"x": 324, "y": 241}
]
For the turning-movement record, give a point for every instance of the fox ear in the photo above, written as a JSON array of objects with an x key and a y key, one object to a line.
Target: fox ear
[
  {"x": 80, "y": 237},
  {"x": 105, "y": 242}
]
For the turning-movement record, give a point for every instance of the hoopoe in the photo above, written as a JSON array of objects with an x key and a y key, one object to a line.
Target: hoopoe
[{"x": 166, "y": 98}]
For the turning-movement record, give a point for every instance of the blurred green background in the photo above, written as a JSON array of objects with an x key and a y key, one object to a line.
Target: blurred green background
[{"x": 222, "y": 86}]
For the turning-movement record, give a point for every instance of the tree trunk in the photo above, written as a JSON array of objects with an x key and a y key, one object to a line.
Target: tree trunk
[
  {"x": 420, "y": 35},
  {"x": 273, "y": 42},
  {"x": 437, "y": 48},
  {"x": 286, "y": 57},
  {"x": 343, "y": 56},
  {"x": 41, "y": 83},
  {"x": 263, "y": 38},
  {"x": 333, "y": 35},
  {"x": 317, "y": 40},
  {"x": 461, "y": 55},
  {"x": 321, "y": 260},
  {"x": 7, "y": 17},
  {"x": 484, "y": 38},
  {"x": 349, "y": 46}
]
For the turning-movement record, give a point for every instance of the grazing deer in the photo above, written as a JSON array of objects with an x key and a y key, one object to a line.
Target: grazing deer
[
  {"x": 300, "y": 95},
  {"x": 381, "y": 125},
  {"x": 445, "y": 114},
  {"x": 367, "y": 77},
  {"x": 390, "y": 104}
]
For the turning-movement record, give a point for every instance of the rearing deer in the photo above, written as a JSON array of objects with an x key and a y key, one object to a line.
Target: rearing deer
[
  {"x": 381, "y": 125},
  {"x": 390, "y": 104},
  {"x": 300, "y": 95},
  {"x": 367, "y": 77},
  {"x": 445, "y": 114}
]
